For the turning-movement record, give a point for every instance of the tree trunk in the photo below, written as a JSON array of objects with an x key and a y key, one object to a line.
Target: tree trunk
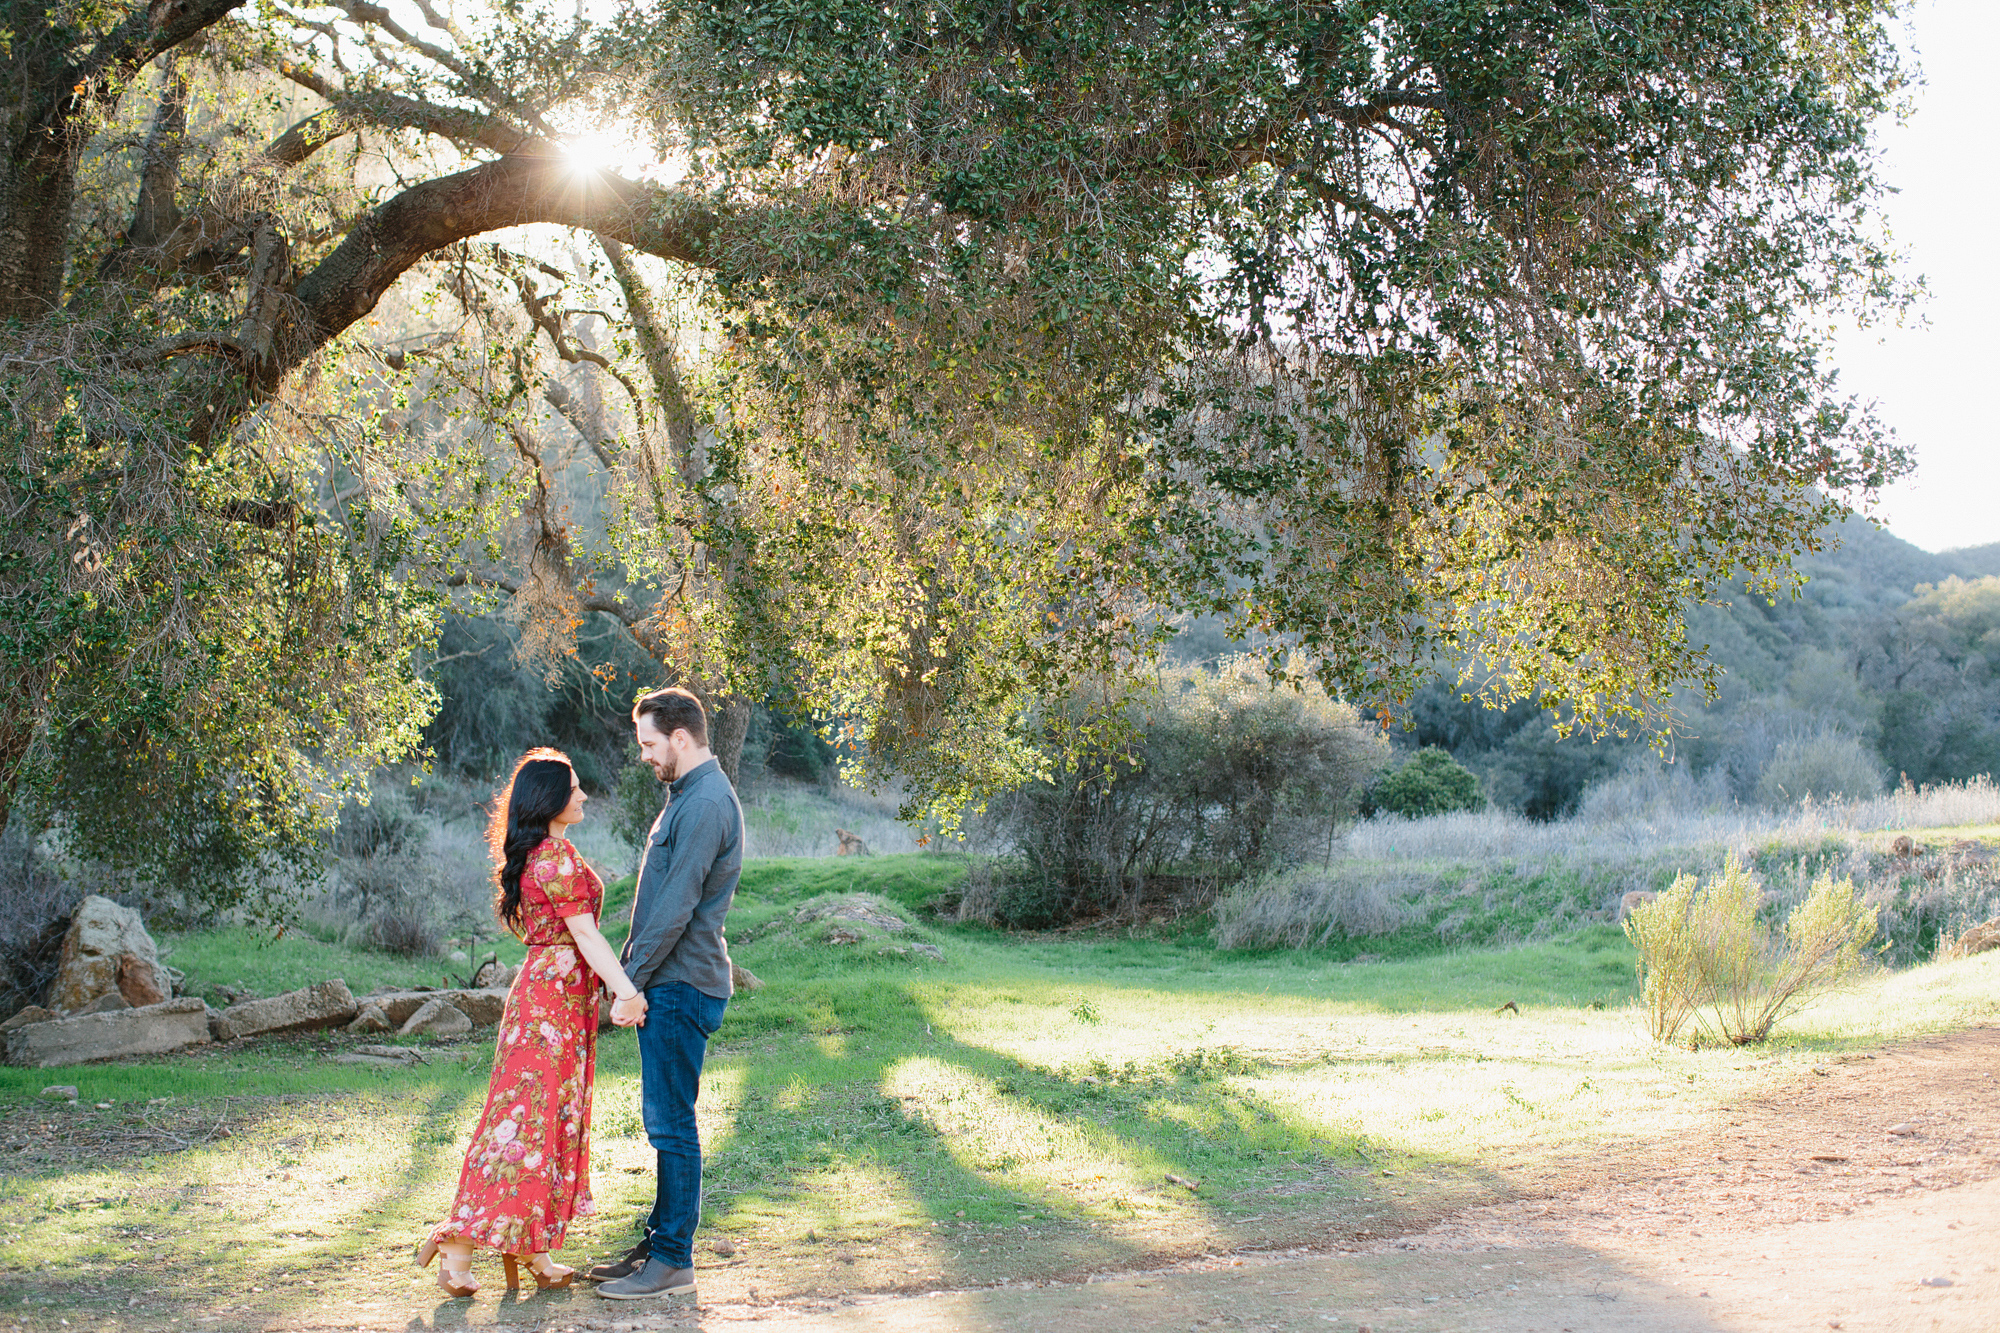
[
  {"x": 728, "y": 724},
  {"x": 56, "y": 89}
]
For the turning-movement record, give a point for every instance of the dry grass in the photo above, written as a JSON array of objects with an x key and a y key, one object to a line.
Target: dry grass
[
  {"x": 1495, "y": 878},
  {"x": 783, "y": 818},
  {"x": 1644, "y": 814}
]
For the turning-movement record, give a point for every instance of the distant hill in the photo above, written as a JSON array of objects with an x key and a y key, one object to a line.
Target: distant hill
[
  {"x": 1872, "y": 569},
  {"x": 1789, "y": 673},
  {"x": 1977, "y": 561}
]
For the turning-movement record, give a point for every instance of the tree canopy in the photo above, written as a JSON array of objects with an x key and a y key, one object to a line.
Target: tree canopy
[{"x": 910, "y": 363}]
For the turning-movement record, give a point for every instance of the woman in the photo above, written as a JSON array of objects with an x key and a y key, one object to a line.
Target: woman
[{"x": 527, "y": 1172}]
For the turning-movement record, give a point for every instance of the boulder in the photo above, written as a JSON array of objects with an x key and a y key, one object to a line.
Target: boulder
[
  {"x": 329, "y": 1004},
  {"x": 148, "y": 1030},
  {"x": 60, "y": 1092},
  {"x": 108, "y": 1003},
  {"x": 108, "y": 950},
  {"x": 743, "y": 979},
  {"x": 143, "y": 983},
  {"x": 1633, "y": 901},
  {"x": 372, "y": 1018},
  {"x": 1977, "y": 939},
  {"x": 401, "y": 1057},
  {"x": 483, "y": 1007},
  {"x": 34, "y": 1013},
  {"x": 438, "y": 1018}
]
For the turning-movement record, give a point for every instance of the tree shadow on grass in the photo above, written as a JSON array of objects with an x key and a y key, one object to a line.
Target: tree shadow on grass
[{"x": 968, "y": 1143}]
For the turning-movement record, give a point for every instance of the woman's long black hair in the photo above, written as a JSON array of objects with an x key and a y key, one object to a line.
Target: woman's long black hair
[{"x": 537, "y": 793}]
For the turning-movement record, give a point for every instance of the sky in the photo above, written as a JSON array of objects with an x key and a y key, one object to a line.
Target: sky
[{"x": 1934, "y": 383}]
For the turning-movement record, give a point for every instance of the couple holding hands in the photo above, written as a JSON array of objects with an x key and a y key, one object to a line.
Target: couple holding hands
[{"x": 527, "y": 1171}]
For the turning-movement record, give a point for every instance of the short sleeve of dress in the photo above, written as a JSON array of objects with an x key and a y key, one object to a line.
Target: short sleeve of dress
[{"x": 562, "y": 878}]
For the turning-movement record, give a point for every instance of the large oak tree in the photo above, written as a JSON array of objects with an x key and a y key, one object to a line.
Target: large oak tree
[{"x": 939, "y": 357}]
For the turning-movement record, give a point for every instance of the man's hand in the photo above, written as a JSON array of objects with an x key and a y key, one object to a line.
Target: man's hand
[{"x": 630, "y": 1011}]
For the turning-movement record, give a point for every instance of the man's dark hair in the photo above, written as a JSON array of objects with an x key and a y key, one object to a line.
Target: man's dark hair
[{"x": 673, "y": 709}]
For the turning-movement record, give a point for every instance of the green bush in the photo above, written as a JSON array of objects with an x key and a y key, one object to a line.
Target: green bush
[
  {"x": 1819, "y": 768},
  {"x": 635, "y": 803},
  {"x": 1210, "y": 776},
  {"x": 1430, "y": 782},
  {"x": 1706, "y": 956}
]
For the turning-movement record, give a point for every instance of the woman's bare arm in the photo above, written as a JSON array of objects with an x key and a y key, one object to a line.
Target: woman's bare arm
[{"x": 628, "y": 1005}]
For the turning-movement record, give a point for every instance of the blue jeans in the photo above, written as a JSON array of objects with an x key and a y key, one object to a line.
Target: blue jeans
[{"x": 672, "y": 1044}]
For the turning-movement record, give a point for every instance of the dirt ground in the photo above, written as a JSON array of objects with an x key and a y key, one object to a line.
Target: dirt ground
[{"x": 1864, "y": 1197}]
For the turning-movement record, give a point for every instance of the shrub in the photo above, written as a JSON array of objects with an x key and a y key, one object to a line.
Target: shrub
[
  {"x": 1819, "y": 768},
  {"x": 1430, "y": 782},
  {"x": 35, "y": 905},
  {"x": 1308, "y": 908},
  {"x": 1210, "y": 776},
  {"x": 404, "y": 930},
  {"x": 635, "y": 803},
  {"x": 1705, "y": 955},
  {"x": 385, "y": 826},
  {"x": 392, "y": 884}
]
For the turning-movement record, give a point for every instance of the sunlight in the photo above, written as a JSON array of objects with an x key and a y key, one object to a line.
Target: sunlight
[
  {"x": 1018, "y": 1146},
  {"x": 621, "y": 150}
]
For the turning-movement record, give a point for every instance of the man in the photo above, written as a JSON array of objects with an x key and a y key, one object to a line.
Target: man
[{"x": 677, "y": 958}]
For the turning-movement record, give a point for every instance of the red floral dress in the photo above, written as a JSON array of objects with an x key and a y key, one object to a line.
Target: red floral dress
[{"x": 527, "y": 1171}]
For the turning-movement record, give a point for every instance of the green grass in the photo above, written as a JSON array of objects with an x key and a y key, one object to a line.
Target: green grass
[
  {"x": 250, "y": 960},
  {"x": 1012, "y": 1111}
]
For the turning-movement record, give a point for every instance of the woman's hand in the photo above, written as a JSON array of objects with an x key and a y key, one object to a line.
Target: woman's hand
[{"x": 590, "y": 942}]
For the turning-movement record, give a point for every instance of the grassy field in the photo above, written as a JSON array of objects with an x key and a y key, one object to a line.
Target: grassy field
[
  {"x": 1021, "y": 1108},
  {"x": 1404, "y": 888}
]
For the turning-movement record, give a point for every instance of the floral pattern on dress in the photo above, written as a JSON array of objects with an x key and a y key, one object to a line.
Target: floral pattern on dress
[{"x": 527, "y": 1170}]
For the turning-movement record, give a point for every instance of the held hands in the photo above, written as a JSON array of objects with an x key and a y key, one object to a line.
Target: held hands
[{"x": 630, "y": 1011}]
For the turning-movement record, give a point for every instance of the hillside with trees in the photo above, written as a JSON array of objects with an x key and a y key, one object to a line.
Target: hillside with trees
[{"x": 1885, "y": 666}]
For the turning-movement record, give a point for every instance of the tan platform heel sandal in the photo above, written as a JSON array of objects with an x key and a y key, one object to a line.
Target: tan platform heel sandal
[
  {"x": 452, "y": 1281},
  {"x": 554, "y": 1278}
]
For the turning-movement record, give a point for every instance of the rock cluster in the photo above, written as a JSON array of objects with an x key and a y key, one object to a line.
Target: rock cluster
[
  {"x": 151, "y": 1029},
  {"x": 411, "y": 1013},
  {"x": 108, "y": 952},
  {"x": 862, "y": 922},
  {"x": 1977, "y": 939},
  {"x": 112, "y": 999}
]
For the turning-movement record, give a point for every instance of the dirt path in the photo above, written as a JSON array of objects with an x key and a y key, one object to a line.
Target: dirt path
[
  {"x": 1866, "y": 1197},
  {"x": 1798, "y": 1209}
]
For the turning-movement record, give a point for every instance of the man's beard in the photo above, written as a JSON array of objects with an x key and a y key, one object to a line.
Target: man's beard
[{"x": 663, "y": 769}]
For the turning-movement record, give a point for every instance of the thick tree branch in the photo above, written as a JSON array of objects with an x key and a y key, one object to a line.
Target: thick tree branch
[
  {"x": 523, "y": 188},
  {"x": 585, "y": 418},
  {"x": 347, "y": 111},
  {"x": 631, "y": 617},
  {"x": 157, "y": 212}
]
